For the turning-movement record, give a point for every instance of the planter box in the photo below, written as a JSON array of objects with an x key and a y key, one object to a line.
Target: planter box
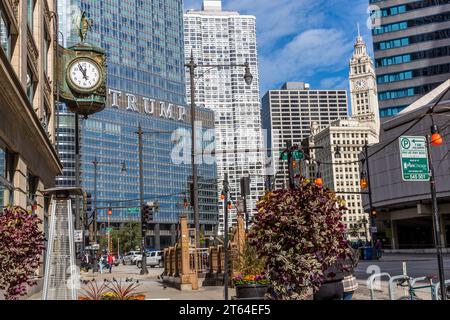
[{"x": 251, "y": 291}]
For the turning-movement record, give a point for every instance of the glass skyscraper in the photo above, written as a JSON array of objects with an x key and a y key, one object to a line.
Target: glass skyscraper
[
  {"x": 412, "y": 50},
  {"x": 145, "y": 54}
]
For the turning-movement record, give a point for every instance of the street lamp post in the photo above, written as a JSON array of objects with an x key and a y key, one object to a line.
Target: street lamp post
[
  {"x": 225, "y": 245},
  {"x": 369, "y": 190},
  {"x": 144, "y": 269},
  {"x": 436, "y": 222},
  {"x": 191, "y": 65},
  {"x": 140, "y": 133},
  {"x": 94, "y": 215}
]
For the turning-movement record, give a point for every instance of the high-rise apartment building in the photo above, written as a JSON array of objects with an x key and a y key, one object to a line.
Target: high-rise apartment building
[
  {"x": 144, "y": 44},
  {"x": 222, "y": 37},
  {"x": 288, "y": 114},
  {"x": 337, "y": 148},
  {"x": 412, "y": 50}
]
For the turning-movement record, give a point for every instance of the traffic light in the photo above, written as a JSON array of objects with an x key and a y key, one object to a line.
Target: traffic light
[
  {"x": 245, "y": 186},
  {"x": 88, "y": 202},
  {"x": 191, "y": 193},
  {"x": 109, "y": 211},
  {"x": 374, "y": 212},
  {"x": 146, "y": 214}
]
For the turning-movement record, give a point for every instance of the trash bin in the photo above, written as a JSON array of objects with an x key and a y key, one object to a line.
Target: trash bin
[{"x": 367, "y": 253}]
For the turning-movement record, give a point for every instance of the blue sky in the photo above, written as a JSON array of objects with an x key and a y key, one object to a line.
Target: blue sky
[{"x": 303, "y": 40}]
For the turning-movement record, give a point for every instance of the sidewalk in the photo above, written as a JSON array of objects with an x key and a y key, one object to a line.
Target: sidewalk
[{"x": 156, "y": 290}]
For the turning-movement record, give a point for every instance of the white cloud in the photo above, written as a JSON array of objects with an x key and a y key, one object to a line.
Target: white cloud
[
  {"x": 298, "y": 39},
  {"x": 311, "y": 52}
]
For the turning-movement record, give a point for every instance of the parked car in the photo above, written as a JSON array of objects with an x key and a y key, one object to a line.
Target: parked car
[
  {"x": 154, "y": 258},
  {"x": 130, "y": 257}
]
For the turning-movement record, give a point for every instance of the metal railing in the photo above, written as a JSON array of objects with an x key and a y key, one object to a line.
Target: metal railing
[{"x": 202, "y": 256}]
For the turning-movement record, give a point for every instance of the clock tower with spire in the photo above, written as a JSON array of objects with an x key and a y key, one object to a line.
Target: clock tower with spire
[{"x": 363, "y": 86}]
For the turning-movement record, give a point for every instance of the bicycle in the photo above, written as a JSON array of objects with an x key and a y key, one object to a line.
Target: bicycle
[{"x": 410, "y": 283}]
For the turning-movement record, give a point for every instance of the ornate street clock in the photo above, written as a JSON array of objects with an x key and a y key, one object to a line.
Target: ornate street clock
[{"x": 82, "y": 74}]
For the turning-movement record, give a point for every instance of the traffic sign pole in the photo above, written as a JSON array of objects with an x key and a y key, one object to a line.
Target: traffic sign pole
[{"x": 436, "y": 223}]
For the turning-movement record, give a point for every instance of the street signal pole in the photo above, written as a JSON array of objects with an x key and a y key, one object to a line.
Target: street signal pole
[
  {"x": 245, "y": 191},
  {"x": 436, "y": 223},
  {"x": 373, "y": 211},
  {"x": 225, "y": 244},
  {"x": 141, "y": 200}
]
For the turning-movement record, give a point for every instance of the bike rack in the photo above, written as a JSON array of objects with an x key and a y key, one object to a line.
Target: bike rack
[
  {"x": 392, "y": 286},
  {"x": 371, "y": 280},
  {"x": 436, "y": 289}
]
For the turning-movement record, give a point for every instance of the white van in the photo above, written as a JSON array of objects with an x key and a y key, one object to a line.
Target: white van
[{"x": 154, "y": 259}]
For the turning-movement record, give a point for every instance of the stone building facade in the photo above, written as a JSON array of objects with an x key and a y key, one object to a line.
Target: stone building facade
[{"x": 28, "y": 160}]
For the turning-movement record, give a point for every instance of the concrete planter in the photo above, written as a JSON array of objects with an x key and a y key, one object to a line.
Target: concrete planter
[{"x": 249, "y": 291}]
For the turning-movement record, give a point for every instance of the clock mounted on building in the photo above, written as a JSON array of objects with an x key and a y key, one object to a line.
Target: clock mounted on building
[
  {"x": 360, "y": 84},
  {"x": 84, "y": 75}
]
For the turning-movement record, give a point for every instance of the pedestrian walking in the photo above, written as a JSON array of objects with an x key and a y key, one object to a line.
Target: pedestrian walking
[
  {"x": 110, "y": 262},
  {"x": 100, "y": 263},
  {"x": 349, "y": 282},
  {"x": 378, "y": 246}
]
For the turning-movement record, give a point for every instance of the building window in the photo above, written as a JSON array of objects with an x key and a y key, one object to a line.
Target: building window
[
  {"x": 5, "y": 33},
  {"x": 30, "y": 85},
  {"x": 46, "y": 50},
  {"x": 6, "y": 177},
  {"x": 30, "y": 11}
]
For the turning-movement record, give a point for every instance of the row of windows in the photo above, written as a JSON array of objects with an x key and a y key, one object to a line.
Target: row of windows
[
  {"x": 399, "y": 9},
  {"x": 442, "y": 17},
  {"x": 393, "y": 11},
  {"x": 393, "y": 77},
  {"x": 424, "y": 72},
  {"x": 426, "y": 54},
  {"x": 391, "y": 111},
  {"x": 395, "y": 43},
  {"x": 407, "y": 92}
]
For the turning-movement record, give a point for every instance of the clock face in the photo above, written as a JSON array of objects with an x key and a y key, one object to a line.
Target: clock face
[
  {"x": 360, "y": 84},
  {"x": 84, "y": 74}
]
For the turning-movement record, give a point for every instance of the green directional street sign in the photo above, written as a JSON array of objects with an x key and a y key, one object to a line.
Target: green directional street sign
[
  {"x": 298, "y": 155},
  {"x": 133, "y": 210},
  {"x": 414, "y": 158},
  {"x": 108, "y": 230}
]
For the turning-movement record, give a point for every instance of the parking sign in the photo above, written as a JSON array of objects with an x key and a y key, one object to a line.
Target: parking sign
[{"x": 414, "y": 158}]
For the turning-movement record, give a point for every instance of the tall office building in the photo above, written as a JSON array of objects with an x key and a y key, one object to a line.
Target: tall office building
[
  {"x": 337, "y": 148},
  {"x": 222, "y": 37},
  {"x": 412, "y": 50},
  {"x": 145, "y": 55},
  {"x": 288, "y": 114}
]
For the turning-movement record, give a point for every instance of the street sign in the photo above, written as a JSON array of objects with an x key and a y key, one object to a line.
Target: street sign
[
  {"x": 108, "y": 230},
  {"x": 133, "y": 210},
  {"x": 414, "y": 158},
  {"x": 78, "y": 235},
  {"x": 298, "y": 155},
  {"x": 374, "y": 229}
]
